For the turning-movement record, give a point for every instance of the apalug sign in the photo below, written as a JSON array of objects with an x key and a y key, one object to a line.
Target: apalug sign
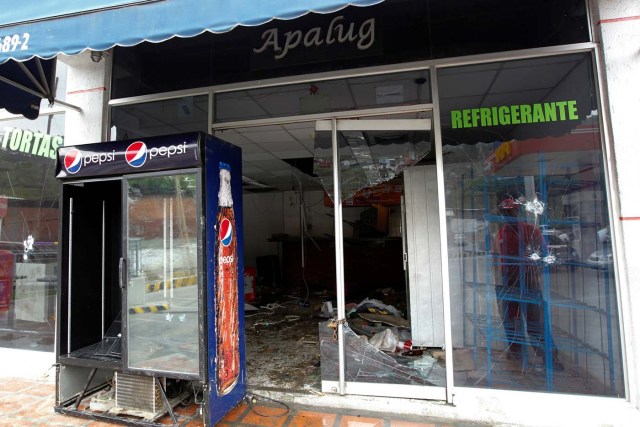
[
  {"x": 339, "y": 36},
  {"x": 351, "y": 37}
]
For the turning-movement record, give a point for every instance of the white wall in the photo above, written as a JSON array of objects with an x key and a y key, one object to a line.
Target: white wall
[
  {"x": 266, "y": 214},
  {"x": 262, "y": 217},
  {"x": 617, "y": 31},
  {"x": 88, "y": 88}
]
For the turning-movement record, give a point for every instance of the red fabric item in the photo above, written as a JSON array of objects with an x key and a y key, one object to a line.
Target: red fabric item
[{"x": 519, "y": 239}]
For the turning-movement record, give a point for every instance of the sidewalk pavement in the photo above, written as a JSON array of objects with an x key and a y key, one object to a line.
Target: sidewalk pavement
[{"x": 30, "y": 402}]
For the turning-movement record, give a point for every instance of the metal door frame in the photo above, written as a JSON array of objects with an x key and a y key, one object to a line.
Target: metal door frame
[
  {"x": 374, "y": 389},
  {"x": 124, "y": 277}
]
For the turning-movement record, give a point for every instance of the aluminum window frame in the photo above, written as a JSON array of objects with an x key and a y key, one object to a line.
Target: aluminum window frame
[{"x": 433, "y": 66}]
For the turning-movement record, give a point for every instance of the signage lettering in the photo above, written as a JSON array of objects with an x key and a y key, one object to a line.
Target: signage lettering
[
  {"x": 11, "y": 42},
  {"x": 514, "y": 114},
  {"x": 503, "y": 151},
  {"x": 169, "y": 151},
  {"x": 100, "y": 158},
  {"x": 29, "y": 142},
  {"x": 337, "y": 32},
  {"x": 228, "y": 259}
]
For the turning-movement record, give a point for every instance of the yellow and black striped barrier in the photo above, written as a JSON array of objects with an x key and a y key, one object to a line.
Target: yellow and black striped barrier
[
  {"x": 178, "y": 282},
  {"x": 148, "y": 308}
]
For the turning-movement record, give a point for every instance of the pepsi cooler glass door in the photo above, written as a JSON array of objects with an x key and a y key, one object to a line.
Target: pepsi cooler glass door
[{"x": 161, "y": 272}]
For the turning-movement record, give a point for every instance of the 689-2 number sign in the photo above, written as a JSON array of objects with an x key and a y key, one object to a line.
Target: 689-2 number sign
[{"x": 12, "y": 42}]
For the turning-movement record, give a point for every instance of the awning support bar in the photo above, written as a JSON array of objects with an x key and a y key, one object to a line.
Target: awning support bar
[
  {"x": 48, "y": 90},
  {"x": 35, "y": 81},
  {"x": 33, "y": 92}
]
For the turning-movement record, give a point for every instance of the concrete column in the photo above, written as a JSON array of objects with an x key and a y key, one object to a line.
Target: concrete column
[
  {"x": 616, "y": 29},
  {"x": 88, "y": 87}
]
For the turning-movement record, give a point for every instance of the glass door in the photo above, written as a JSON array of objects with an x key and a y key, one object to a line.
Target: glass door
[
  {"x": 161, "y": 273},
  {"x": 400, "y": 355}
]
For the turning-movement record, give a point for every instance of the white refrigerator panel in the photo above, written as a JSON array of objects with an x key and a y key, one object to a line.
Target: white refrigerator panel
[{"x": 424, "y": 260}]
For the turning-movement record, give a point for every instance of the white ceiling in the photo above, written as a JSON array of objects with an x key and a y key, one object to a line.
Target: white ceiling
[{"x": 266, "y": 147}]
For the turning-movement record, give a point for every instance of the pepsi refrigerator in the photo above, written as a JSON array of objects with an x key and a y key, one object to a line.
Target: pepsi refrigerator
[{"x": 150, "y": 327}]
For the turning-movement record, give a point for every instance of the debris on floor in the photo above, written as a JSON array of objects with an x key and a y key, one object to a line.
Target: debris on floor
[
  {"x": 282, "y": 348},
  {"x": 367, "y": 363},
  {"x": 289, "y": 344}
]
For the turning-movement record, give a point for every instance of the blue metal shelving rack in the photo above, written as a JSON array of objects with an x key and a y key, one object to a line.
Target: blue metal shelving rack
[{"x": 487, "y": 326}]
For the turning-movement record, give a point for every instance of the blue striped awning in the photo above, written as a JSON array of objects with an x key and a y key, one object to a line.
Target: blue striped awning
[
  {"x": 34, "y": 31},
  {"x": 45, "y": 29}
]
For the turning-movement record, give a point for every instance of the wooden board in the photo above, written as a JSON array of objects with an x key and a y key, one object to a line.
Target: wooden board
[{"x": 387, "y": 319}]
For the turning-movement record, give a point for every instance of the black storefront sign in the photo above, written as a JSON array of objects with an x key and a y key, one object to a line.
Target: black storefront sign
[
  {"x": 392, "y": 32},
  {"x": 124, "y": 157}
]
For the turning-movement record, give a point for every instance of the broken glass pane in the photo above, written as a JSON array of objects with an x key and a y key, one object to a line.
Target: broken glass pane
[
  {"x": 533, "y": 295},
  {"x": 367, "y": 363},
  {"x": 368, "y": 158}
]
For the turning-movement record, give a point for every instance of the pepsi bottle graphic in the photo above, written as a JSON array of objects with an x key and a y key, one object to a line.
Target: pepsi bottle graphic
[{"x": 227, "y": 322}]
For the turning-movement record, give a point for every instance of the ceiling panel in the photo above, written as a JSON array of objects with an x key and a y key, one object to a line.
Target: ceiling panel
[
  {"x": 465, "y": 87},
  {"x": 525, "y": 78},
  {"x": 253, "y": 157},
  {"x": 289, "y": 154}
]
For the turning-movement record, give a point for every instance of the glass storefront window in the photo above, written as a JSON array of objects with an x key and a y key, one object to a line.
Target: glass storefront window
[
  {"x": 28, "y": 231},
  {"x": 533, "y": 295},
  {"x": 358, "y": 93},
  {"x": 166, "y": 117}
]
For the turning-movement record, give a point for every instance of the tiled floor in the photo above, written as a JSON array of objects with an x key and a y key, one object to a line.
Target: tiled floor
[{"x": 30, "y": 403}]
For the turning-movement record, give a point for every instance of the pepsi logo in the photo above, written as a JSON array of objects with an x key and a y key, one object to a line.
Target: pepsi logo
[
  {"x": 73, "y": 161},
  {"x": 136, "y": 154},
  {"x": 226, "y": 232}
]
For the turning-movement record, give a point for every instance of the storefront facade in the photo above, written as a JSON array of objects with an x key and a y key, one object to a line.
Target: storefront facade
[
  {"x": 29, "y": 232},
  {"x": 512, "y": 169}
]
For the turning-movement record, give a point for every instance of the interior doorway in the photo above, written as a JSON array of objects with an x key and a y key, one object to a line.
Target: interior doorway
[{"x": 300, "y": 288}]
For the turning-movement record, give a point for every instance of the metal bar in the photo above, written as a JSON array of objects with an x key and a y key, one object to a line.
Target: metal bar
[
  {"x": 372, "y": 125},
  {"x": 303, "y": 232},
  {"x": 54, "y": 79},
  {"x": 337, "y": 203},
  {"x": 70, "y": 262},
  {"x": 104, "y": 207},
  {"x": 607, "y": 293},
  {"x": 371, "y": 112},
  {"x": 86, "y": 386},
  {"x": 405, "y": 250},
  {"x": 41, "y": 95},
  {"x": 211, "y": 113},
  {"x": 444, "y": 249},
  {"x": 171, "y": 246},
  {"x": 67, "y": 105},
  {"x": 33, "y": 79},
  {"x": 623, "y": 299},
  {"x": 21, "y": 87},
  {"x": 166, "y": 401},
  {"x": 164, "y": 247},
  {"x": 546, "y": 280},
  {"x": 121, "y": 272},
  {"x": 43, "y": 79}
]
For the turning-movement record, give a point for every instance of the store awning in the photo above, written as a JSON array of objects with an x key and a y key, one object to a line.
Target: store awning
[
  {"x": 24, "y": 84},
  {"x": 32, "y": 32},
  {"x": 45, "y": 29}
]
